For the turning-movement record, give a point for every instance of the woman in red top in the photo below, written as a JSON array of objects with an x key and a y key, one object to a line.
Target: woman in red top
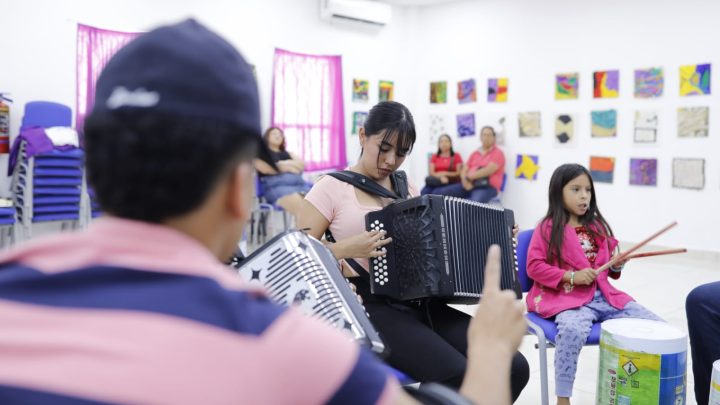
[
  {"x": 445, "y": 168},
  {"x": 483, "y": 175}
]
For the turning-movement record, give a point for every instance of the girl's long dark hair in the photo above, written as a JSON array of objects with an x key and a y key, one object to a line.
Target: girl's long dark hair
[
  {"x": 392, "y": 118},
  {"x": 452, "y": 151},
  {"x": 592, "y": 219}
]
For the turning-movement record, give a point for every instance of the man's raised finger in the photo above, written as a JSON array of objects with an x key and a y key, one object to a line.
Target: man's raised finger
[{"x": 492, "y": 269}]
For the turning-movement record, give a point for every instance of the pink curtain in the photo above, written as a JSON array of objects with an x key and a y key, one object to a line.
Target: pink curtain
[
  {"x": 95, "y": 47},
  {"x": 307, "y": 103}
]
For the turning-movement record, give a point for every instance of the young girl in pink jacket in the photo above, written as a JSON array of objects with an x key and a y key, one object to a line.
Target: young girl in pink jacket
[{"x": 567, "y": 246}]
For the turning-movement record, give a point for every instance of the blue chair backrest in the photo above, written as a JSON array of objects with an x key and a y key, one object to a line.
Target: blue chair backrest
[
  {"x": 46, "y": 114},
  {"x": 523, "y": 243},
  {"x": 502, "y": 186},
  {"x": 259, "y": 191}
]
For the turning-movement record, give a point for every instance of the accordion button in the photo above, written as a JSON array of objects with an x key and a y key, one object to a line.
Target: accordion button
[
  {"x": 377, "y": 280},
  {"x": 382, "y": 283}
]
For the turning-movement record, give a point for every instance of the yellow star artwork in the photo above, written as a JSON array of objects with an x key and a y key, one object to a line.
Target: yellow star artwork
[{"x": 526, "y": 167}]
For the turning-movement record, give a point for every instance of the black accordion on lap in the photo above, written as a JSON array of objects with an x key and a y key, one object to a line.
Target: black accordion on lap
[
  {"x": 297, "y": 269},
  {"x": 439, "y": 248}
]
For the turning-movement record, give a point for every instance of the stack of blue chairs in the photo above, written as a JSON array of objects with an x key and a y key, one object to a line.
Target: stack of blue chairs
[{"x": 48, "y": 187}]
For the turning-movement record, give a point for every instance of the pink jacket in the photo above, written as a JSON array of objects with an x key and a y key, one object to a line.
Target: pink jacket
[{"x": 548, "y": 295}]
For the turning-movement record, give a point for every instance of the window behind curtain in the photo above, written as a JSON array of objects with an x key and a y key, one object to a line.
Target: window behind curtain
[
  {"x": 307, "y": 103},
  {"x": 95, "y": 47}
]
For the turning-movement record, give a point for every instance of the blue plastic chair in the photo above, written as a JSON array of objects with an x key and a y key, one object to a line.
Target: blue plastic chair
[
  {"x": 46, "y": 114},
  {"x": 544, "y": 329},
  {"x": 261, "y": 214},
  {"x": 497, "y": 199},
  {"x": 7, "y": 226}
]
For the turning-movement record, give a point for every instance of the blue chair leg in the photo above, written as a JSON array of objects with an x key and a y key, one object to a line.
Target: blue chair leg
[{"x": 542, "y": 349}]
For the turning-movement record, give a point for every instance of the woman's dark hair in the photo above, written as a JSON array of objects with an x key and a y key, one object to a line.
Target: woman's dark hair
[
  {"x": 452, "y": 151},
  {"x": 151, "y": 167},
  {"x": 266, "y": 137},
  {"x": 592, "y": 219},
  {"x": 391, "y": 118}
]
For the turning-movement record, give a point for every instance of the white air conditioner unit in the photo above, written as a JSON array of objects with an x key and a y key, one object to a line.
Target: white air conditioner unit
[{"x": 364, "y": 12}]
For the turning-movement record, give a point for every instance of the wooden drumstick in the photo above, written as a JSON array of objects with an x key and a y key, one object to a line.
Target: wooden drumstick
[
  {"x": 634, "y": 248},
  {"x": 656, "y": 253}
]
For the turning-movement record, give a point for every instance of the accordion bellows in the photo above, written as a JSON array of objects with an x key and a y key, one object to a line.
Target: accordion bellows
[
  {"x": 439, "y": 248},
  {"x": 297, "y": 269}
]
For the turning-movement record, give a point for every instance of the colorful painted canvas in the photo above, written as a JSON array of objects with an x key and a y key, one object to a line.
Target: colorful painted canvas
[
  {"x": 695, "y": 80},
  {"x": 565, "y": 129},
  {"x": 359, "y": 118},
  {"x": 467, "y": 91},
  {"x": 386, "y": 91},
  {"x": 437, "y": 128},
  {"x": 646, "y": 126},
  {"x": 529, "y": 124},
  {"x": 693, "y": 122},
  {"x": 604, "y": 123},
  {"x": 643, "y": 172},
  {"x": 498, "y": 90},
  {"x": 466, "y": 124},
  {"x": 526, "y": 167},
  {"x": 566, "y": 86},
  {"x": 602, "y": 169},
  {"x": 360, "y": 90},
  {"x": 438, "y": 92},
  {"x": 606, "y": 84},
  {"x": 649, "y": 82},
  {"x": 689, "y": 173}
]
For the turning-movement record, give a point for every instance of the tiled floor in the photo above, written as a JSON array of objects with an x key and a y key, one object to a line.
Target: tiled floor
[{"x": 660, "y": 284}]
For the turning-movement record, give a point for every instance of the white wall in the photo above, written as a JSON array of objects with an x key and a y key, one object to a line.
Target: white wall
[
  {"x": 38, "y": 48},
  {"x": 529, "y": 41},
  {"x": 526, "y": 40}
]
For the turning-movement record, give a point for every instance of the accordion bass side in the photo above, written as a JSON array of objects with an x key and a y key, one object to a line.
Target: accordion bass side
[
  {"x": 296, "y": 269},
  {"x": 439, "y": 248}
]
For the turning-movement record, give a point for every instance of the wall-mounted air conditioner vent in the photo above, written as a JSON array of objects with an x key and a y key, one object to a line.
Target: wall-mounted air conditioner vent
[{"x": 363, "y": 12}]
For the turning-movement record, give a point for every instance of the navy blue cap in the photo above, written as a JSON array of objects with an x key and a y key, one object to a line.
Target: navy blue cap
[{"x": 183, "y": 70}]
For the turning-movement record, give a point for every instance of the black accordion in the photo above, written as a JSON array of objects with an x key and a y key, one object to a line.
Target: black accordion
[
  {"x": 439, "y": 248},
  {"x": 297, "y": 269}
]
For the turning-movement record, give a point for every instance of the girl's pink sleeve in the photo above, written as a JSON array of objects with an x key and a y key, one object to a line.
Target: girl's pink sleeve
[{"x": 537, "y": 266}]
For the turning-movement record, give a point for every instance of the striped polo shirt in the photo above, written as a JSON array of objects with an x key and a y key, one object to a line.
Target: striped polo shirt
[{"x": 136, "y": 313}]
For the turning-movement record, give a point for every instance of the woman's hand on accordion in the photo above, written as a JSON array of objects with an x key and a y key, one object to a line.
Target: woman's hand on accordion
[
  {"x": 493, "y": 337},
  {"x": 363, "y": 245}
]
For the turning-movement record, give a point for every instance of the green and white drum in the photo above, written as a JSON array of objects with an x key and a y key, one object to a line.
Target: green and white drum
[
  {"x": 715, "y": 384},
  {"x": 642, "y": 362}
]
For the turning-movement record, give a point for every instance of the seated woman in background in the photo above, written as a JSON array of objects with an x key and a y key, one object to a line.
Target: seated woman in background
[
  {"x": 483, "y": 175},
  {"x": 284, "y": 186},
  {"x": 445, "y": 165}
]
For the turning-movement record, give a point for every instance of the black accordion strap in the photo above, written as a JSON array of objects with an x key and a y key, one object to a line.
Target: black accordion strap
[
  {"x": 364, "y": 183},
  {"x": 362, "y": 273}
]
